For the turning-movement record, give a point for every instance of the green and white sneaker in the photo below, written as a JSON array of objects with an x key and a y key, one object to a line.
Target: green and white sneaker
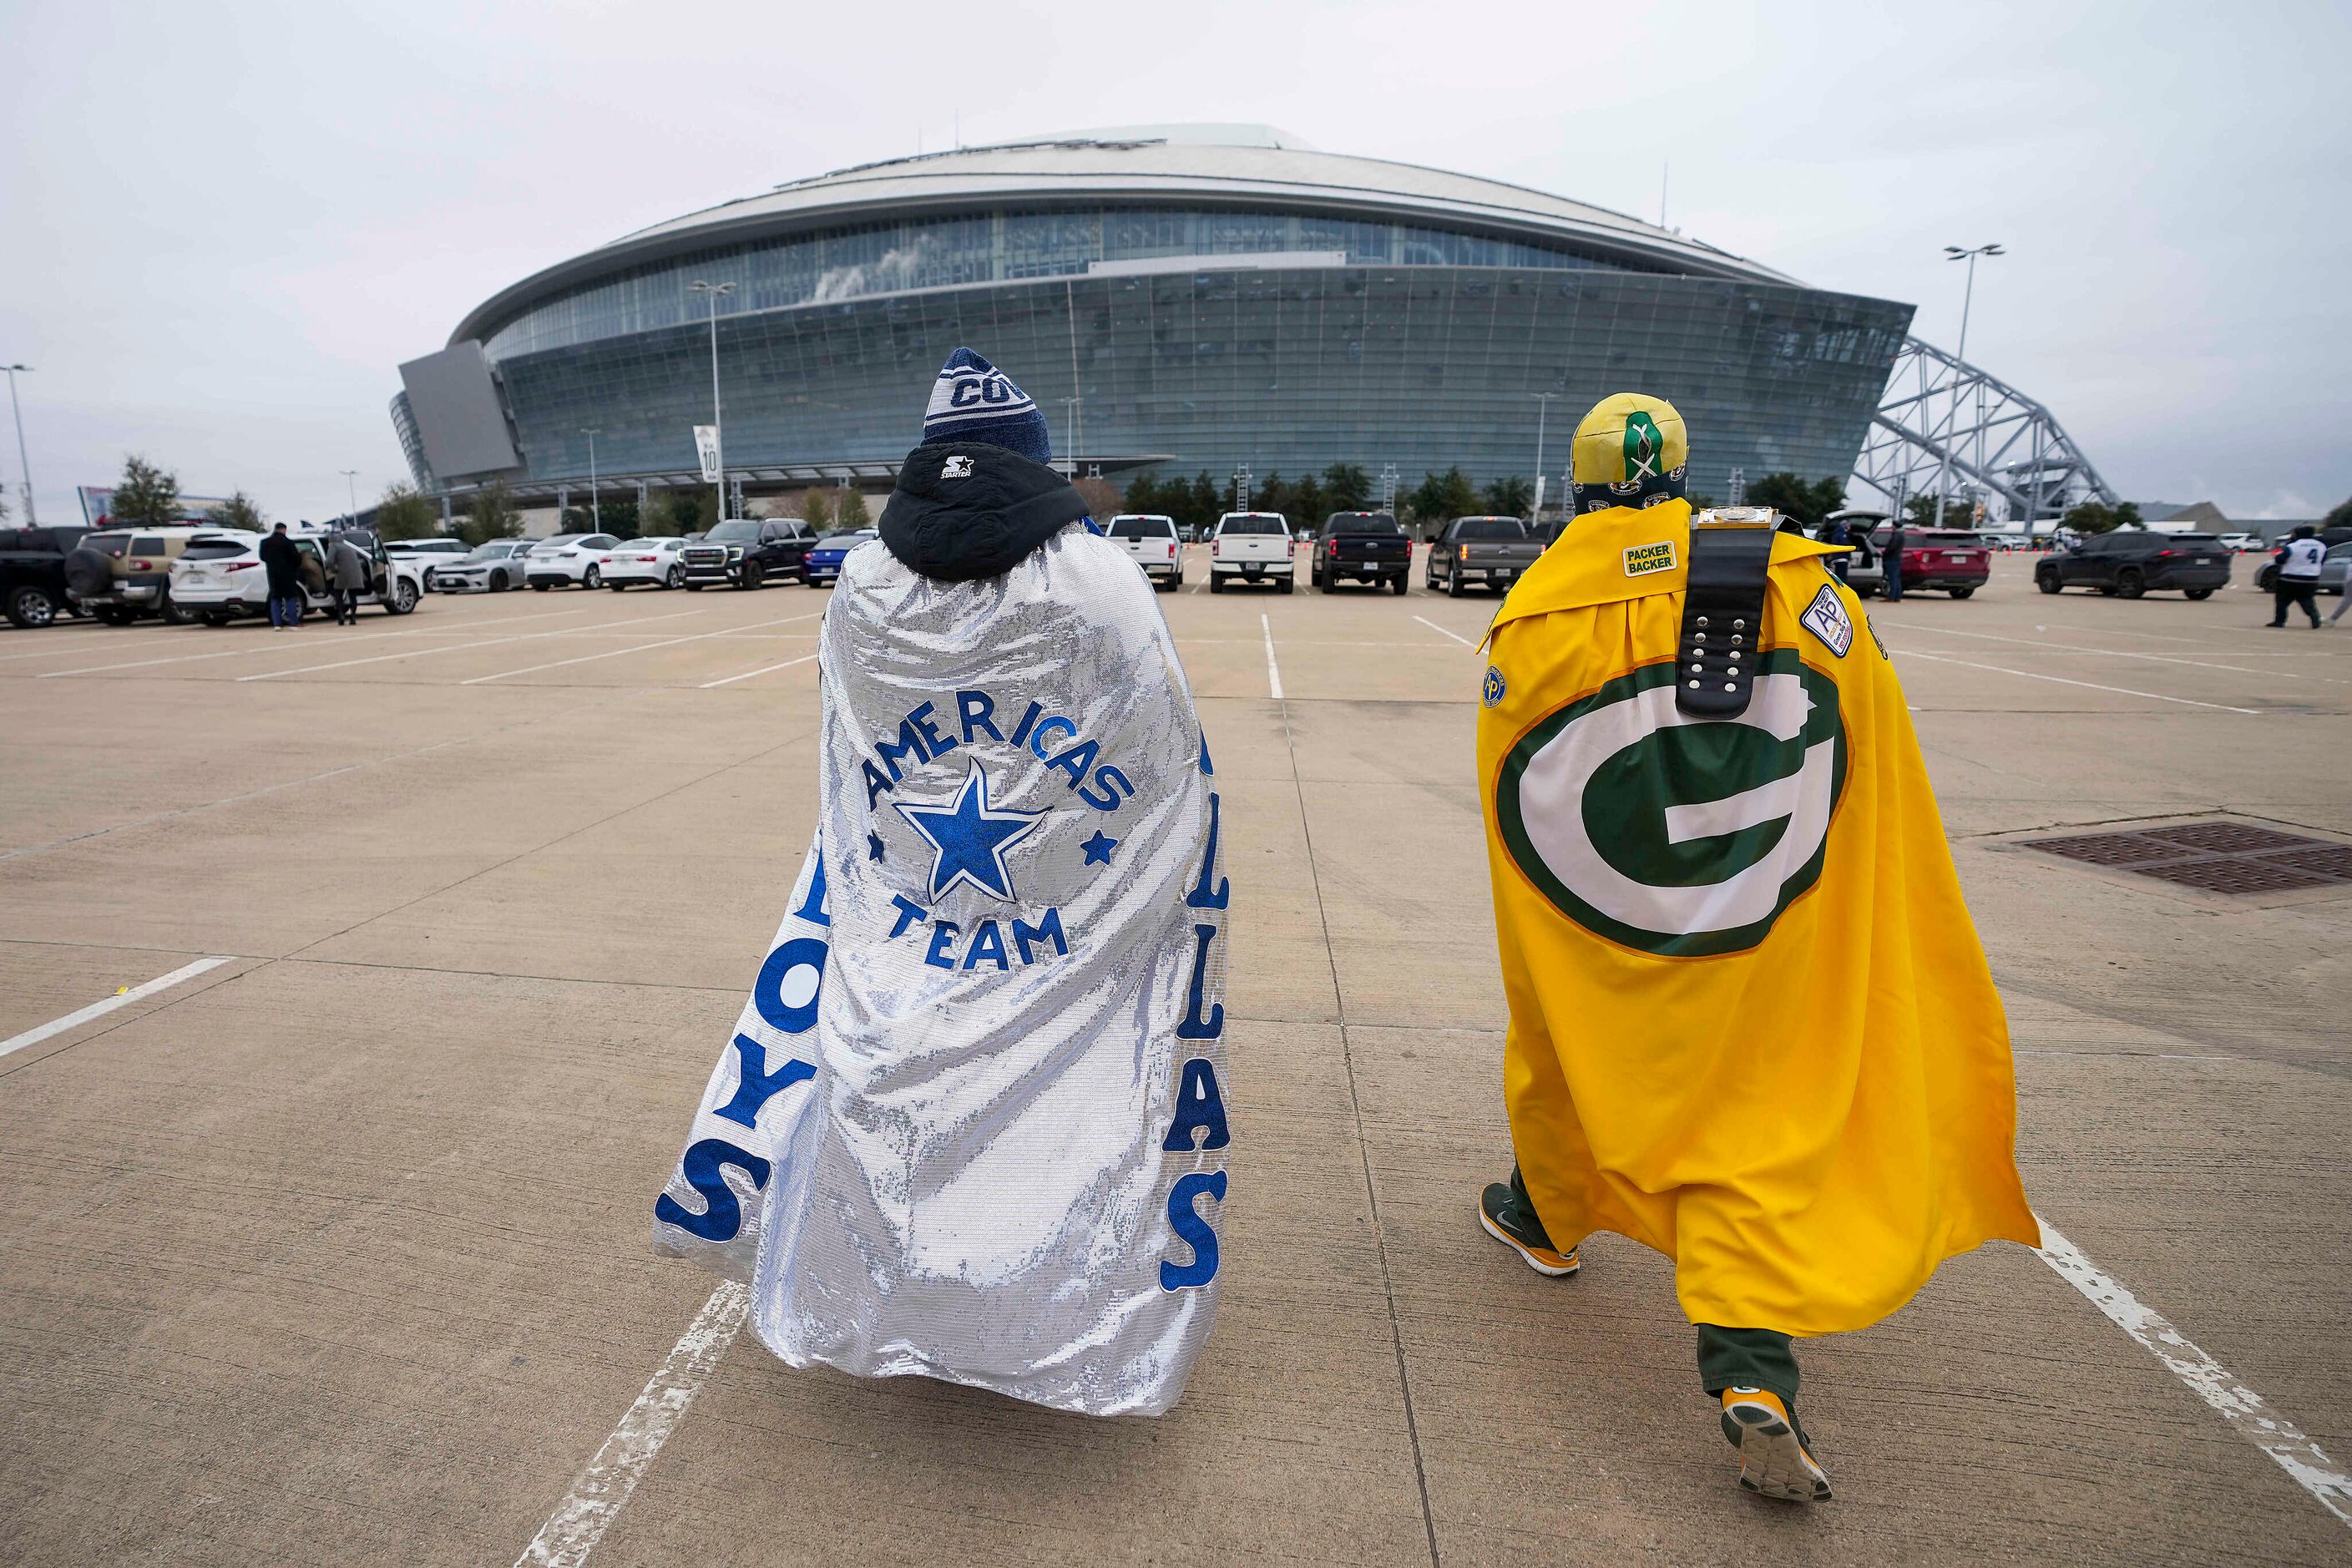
[
  {"x": 1775, "y": 1460},
  {"x": 1508, "y": 1216}
]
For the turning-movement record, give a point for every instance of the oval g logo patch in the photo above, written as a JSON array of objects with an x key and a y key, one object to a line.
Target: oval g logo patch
[{"x": 1672, "y": 836}]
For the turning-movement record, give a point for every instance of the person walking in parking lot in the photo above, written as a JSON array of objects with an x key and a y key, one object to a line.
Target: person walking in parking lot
[
  {"x": 999, "y": 988},
  {"x": 282, "y": 559},
  {"x": 1750, "y": 1025},
  {"x": 1894, "y": 578},
  {"x": 2296, "y": 580},
  {"x": 350, "y": 565}
]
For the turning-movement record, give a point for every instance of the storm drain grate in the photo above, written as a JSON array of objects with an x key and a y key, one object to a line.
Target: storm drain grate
[{"x": 2214, "y": 857}]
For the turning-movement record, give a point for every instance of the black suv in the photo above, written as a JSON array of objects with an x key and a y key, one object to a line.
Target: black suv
[
  {"x": 2129, "y": 563},
  {"x": 33, "y": 572},
  {"x": 747, "y": 552}
]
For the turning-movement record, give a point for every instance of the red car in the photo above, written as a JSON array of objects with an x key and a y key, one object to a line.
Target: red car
[{"x": 1957, "y": 562}]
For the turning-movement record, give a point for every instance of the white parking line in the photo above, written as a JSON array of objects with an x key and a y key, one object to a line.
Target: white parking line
[
  {"x": 640, "y": 648},
  {"x": 2123, "y": 653},
  {"x": 2241, "y": 1407},
  {"x": 750, "y": 673},
  {"x": 2062, "y": 680},
  {"x": 594, "y": 1501},
  {"x": 1272, "y": 670},
  {"x": 281, "y": 648},
  {"x": 1441, "y": 631},
  {"x": 99, "y": 1009},
  {"x": 453, "y": 648}
]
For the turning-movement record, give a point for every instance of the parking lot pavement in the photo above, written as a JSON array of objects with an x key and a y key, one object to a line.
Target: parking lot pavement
[{"x": 336, "y": 1250}]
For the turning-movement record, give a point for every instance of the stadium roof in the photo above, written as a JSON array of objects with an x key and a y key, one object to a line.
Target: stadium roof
[{"x": 1235, "y": 165}]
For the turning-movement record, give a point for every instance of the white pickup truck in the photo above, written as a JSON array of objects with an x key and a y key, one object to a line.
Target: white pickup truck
[
  {"x": 1251, "y": 547},
  {"x": 1151, "y": 542}
]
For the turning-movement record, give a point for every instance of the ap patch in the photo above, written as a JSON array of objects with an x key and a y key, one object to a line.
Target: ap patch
[
  {"x": 1826, "y": 618},
  {"x": 1491, "y": 689}
]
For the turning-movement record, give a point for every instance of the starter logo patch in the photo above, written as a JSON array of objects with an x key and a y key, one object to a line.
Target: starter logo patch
[
  {"x": 956, "y": 468},
  {"x": 1671, "y": 836},
  {"x": 1826, "y": 618},
  {"x": 1641, "y": 560}
]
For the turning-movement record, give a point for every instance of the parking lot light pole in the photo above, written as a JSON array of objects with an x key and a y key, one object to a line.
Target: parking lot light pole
[
  {"x": 352, "y": 489},
  {"x": 714, "y": 292},
  {"x": 1968, "y": 297},
  {"x": 595, "y": 505},
  {"x": 23, "y": 464},
  {"x": 1543, "y": 409}
]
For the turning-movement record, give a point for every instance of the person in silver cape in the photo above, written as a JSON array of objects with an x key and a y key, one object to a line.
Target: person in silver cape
[{"x": 971, "y": 1122}]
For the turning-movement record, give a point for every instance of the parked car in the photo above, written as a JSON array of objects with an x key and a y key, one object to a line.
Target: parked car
[
  {"x": 1366, "y": 546},
  {"x": 2242, "y": 544},
  {"x": 1251, "y": 547},
  {"x": 491, "y": 568},
  {"x": 1151, "y": 542},
  {"x": 2130, "y": 562},
  {"x": 219, "y": 576},
  {"x": 567, "y": 560},
  {"x": 2333, "y": 571},
  {"x": 1480, "y": 552},
  {"x": 747, "y": 552},
  {"x": 656, "y": 563},
  {"x": 33, "y": 591},
  {"x": 138, "y": 579},
  {"x": 821, "y": 568},
  {"x": 428, "y": 554},
  {"x": 1950, "y": 559}
]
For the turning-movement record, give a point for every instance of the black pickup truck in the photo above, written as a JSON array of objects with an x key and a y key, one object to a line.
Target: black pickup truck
[
  {"x": 1366, "y": 546},
  {"x": 33, "y": 574},
  {"x": 1481, "y": 552},
  {"x": 747, "y": 552}
]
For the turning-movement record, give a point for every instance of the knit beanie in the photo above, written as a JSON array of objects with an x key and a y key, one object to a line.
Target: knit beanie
[{"x": 975, "y": 401}]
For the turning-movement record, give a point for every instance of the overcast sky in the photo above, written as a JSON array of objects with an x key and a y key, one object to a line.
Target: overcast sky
[{"x": 225, "y": 224}]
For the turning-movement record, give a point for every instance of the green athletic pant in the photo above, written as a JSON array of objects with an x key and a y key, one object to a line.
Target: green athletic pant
[{"x": 1747, "y": 1358}]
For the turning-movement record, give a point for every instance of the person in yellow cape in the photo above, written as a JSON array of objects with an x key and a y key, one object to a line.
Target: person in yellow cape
[{"x": 1751, "y": 1026}]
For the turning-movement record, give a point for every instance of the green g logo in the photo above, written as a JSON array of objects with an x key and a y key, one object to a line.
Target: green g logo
[{"x": 1672, "y": 836}]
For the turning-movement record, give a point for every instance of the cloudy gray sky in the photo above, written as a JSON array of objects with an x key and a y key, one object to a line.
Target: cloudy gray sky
[{"x": 225, "y": 224}]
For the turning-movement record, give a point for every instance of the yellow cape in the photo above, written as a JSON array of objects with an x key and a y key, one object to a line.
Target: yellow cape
[{"x": 1751, "y": 1026}]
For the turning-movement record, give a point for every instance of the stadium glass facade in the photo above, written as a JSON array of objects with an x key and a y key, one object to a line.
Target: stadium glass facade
[{"x": 1409, "y": 343}]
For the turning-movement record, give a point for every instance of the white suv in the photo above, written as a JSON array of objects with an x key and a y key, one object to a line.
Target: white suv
[
  {"x": 568, "y": 560},
  {"x": 219, "y": 576}
]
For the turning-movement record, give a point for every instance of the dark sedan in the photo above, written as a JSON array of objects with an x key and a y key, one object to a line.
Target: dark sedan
[{"x": 2129, "y": 563}]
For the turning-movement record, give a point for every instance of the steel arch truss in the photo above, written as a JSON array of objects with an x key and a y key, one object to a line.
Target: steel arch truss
[{"x": 1998, "y": 443}]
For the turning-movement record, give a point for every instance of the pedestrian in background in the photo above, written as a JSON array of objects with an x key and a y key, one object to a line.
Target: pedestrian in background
[
  {"x": 283, "y": 560},
  {"x": 2297, "y": 580},
  {"x": 1839, "y": 534},
  {"x": 1894, "y": 567},
  {"x": 350, "y": 567}
]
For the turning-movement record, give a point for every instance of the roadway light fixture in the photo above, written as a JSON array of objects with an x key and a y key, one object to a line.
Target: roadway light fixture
[
  {"x": 352, "y": 489},
  {"x": 714, "y": 292},
  {"x": 1968, "y": 254},
  {"x": 23, "y": 464},
  {"x": 1543, "y": 408},
  {"x": 595, "y": 506}
]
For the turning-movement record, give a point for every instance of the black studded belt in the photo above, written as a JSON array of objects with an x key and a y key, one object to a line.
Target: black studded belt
[{"x": 1723, "y": 619}]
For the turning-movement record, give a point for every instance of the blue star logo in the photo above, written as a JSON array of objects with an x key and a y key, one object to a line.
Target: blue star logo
[
  {"x": 873, "y": 846},
  {"x": 971, "y": 837},
  {"x": 1098, "y": 849}
]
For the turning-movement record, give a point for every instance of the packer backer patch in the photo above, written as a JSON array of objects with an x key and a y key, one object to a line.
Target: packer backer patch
[
  {"x": 1826, "y": 618},
  {"x": 1641, "y": 560}
]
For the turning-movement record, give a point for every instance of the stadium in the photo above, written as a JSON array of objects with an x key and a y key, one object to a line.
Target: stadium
[{"x": 1176, "y": 299}]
